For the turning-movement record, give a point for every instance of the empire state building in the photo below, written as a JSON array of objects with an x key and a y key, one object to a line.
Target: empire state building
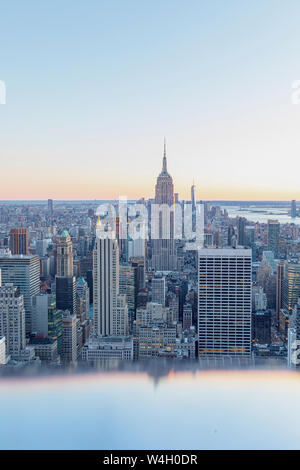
[{"x": 163, "y": 245}]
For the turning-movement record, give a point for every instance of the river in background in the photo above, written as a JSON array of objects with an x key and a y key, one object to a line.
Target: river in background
[{"x": 261, "y": 214}]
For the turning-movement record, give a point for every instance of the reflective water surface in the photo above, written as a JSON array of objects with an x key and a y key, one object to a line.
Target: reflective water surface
[{"x": 195, "y": 409}]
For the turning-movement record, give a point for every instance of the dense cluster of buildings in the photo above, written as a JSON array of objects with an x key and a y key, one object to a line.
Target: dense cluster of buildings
[{"x": 73, "y": 289}]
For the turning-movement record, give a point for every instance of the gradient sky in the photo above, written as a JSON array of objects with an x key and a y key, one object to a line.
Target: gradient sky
[{"x": 94, "y": 86}]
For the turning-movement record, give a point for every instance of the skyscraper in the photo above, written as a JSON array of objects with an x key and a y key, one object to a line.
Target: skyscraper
[
  {"x": 50, "y": 208},
  {"x": 12, "y": 319},
  {"x": 293, "y": 209},
  {"x": 290, "y": 286},
  {"x": 105, "y": 283},
  {"x": 64, "y": 255},
  {"x": 23, "y": 272},
  {"x": 127, "y": 287},
  {"x": 193, "y": 201},
  {"x": 163, "y": 246},
  {"x": 65, "y": 281},
  {"x": 274, "y": 237},
  {"x": 158, "y": 284},
  {"x": 279, "y": 288},
  {"x": 66, "y": 293},
  {"x": 69, "y": 337},
  {"x": 18, "y": 241},
  {"x": 224, "y": 302},
  {"x": 241, "y": 223}
]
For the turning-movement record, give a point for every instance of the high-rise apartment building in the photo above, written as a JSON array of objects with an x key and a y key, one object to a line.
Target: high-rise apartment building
[
  {"x": 18, "y": 241},
  {"x": 163, "y": 245},
  {"x": 224, "y": 302}
]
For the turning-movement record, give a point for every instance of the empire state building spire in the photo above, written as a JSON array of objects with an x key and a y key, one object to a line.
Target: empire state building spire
[{"x": 164, "y": 168}]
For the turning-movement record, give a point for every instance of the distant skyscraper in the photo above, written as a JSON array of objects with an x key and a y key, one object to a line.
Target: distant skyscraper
[
  {"x": 64, "y": 255},
  {"x": 18, "y": 241},
  {"x": 193, "y": 201},
  {"x": 158, "y": 284},
  {"x": 224, "y": 302},
  {"x": 241, "y": 223},
  {"x": 279, "y": 288},
  {"x": 293, "y": 209},
  {"x": 231, "y": 234},
  {"x": 137, "y": 248},
  {"x": 274, "y": 237},
  {"x": 163, "y": 247},
  {"x": 50, "y": 208}
]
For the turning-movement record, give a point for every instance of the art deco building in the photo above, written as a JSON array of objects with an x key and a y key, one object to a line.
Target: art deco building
[
  {"x": 64, "y": 256},
  {"x": 163, "y": 245},
  {"x": 110, "y": 308}
]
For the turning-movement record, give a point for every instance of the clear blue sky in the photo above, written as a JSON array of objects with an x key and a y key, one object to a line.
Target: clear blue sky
[{"x": 93, "y": 87}]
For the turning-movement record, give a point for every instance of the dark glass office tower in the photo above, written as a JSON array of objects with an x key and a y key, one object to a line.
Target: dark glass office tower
[{"x": 66, "y": 293}]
